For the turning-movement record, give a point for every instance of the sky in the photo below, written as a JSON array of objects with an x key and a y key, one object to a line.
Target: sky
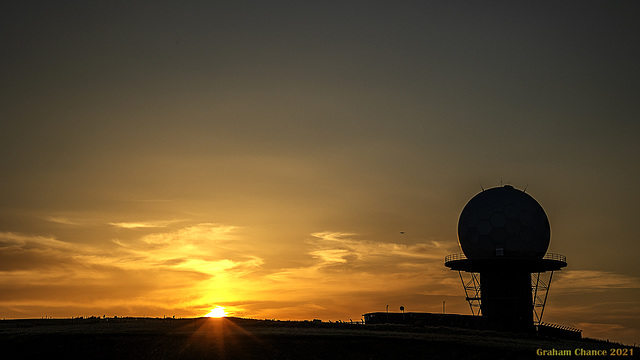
[{"x": 163, "y": 158}]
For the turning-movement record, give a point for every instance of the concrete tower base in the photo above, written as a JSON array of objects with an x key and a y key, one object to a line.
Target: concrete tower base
[{"x": 506, "y": 299}]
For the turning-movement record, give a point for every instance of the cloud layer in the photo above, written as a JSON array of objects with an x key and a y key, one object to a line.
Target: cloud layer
[
  {"x": 187, "y": 270},
  {"x": 209, "y": 264}
]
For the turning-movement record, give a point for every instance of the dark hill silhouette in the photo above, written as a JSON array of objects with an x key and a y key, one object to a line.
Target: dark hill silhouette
[{"x": 236, "y": 338}]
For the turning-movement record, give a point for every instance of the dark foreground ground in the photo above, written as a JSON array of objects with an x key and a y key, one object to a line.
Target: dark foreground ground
[{"x": 233, "y": 338}]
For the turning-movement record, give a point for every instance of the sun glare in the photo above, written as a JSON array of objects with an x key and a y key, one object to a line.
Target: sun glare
[{"x": 217, "y": 312}]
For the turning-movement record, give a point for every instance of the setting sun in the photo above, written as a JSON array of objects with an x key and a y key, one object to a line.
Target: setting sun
[{"x": 217, "y": 312}]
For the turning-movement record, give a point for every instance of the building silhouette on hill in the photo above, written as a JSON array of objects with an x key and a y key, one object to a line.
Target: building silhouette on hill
[{"x": 504, "y": 267}]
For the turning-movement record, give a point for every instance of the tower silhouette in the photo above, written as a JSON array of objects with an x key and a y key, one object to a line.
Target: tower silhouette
[{"x": 504, "y": 234}]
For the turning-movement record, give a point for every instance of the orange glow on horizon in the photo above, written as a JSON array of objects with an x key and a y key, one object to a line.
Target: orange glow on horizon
[{"x": 217, "y": 312}]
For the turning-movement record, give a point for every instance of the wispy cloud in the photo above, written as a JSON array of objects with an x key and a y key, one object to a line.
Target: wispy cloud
[
  {"x": 341, "y": 265},
  {"x": 578, "y": 280},
  {"x": 332, "y": 247},
  {"x": 196, "y": 266},
  {"x": 144, "y": 224},
  {"x": 64, "y": 220},
  {"x": 615, "y": 320},
  {"x": 180, "y": 268},
  {"x": 10, "y": 239}
]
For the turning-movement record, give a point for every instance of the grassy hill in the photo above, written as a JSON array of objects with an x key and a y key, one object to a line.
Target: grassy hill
[{"x": 235, "y": 338}]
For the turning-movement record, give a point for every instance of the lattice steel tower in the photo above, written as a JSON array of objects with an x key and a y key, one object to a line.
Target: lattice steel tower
[{"x": 504, "y": 234}]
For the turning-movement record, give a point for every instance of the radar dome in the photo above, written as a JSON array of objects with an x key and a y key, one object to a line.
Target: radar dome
[{"x": 503, "y": 222}]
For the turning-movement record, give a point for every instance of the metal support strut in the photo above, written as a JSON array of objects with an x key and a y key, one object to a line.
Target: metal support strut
[
  {"x": 540, "y": 290},
  {"x": 472, "y": 287}
]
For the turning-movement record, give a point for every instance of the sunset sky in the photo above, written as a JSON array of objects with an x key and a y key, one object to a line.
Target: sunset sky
[{"x": 163, "y": 158}]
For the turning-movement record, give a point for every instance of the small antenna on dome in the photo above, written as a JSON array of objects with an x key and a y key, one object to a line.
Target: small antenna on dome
[
  {"x": 481, "y": 187},
  {"x": 525, "y": 188}
]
